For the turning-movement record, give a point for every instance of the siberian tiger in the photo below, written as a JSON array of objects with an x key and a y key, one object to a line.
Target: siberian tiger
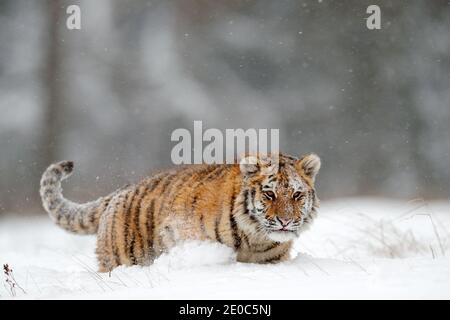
[{"x": 256, "y": 207}]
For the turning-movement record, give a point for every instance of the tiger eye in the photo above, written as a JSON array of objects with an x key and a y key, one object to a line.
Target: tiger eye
[
  {"x": 297, "y": 195},
  {"x": 269, "y": 195}
]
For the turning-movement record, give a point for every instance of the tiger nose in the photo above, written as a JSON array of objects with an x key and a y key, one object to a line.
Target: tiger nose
[{"x": 284, "y": 221}]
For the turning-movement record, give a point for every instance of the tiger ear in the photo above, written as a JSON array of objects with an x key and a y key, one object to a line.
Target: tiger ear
[
  {"x": 249, "y": 165},
  {"x": 310, "y": 165}
]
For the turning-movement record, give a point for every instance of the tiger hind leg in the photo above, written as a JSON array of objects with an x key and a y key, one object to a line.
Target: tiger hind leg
[{"x": 106, "y": 255}]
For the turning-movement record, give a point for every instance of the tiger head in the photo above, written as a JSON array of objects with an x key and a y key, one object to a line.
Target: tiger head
[{"x": 279, "y": 195}]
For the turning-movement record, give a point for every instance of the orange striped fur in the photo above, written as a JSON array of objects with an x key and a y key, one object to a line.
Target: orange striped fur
[{"x": 258, "y": 209}]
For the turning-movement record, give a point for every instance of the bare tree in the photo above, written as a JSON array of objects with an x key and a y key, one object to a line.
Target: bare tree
[{"x": 53, "y": 77}]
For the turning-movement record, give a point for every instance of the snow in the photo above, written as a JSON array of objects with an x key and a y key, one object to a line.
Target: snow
[{"x": 363, "y": 248}]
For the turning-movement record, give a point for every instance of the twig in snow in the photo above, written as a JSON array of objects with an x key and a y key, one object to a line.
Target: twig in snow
[
  {"x": 317, "y": 266},
  {"x": 11, "y": 281},
  {"x": 35, "y": 283},
  {"x": 98, "y": 280},
  {"x": 435, "y": 231},
  {"x": 358, "y": 265},
  {"x": 303, "y": 270},
  {"x": 432, "y": 252}
]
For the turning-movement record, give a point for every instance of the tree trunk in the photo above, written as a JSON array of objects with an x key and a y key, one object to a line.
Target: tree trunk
[{"x": 53, "y": 110}]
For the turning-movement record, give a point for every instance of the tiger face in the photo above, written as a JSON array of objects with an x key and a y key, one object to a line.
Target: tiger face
[{"x": 280, "y": 195}]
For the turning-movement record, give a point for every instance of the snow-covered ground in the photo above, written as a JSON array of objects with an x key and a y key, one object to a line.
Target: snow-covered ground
[{"x": 357, "y": 248}]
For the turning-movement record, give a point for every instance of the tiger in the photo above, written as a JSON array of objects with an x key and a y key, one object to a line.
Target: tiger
[{"x": 257, "y": 207}]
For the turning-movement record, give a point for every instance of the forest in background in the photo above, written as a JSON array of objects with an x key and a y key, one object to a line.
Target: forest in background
[{"x": 374, "y": 104}]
